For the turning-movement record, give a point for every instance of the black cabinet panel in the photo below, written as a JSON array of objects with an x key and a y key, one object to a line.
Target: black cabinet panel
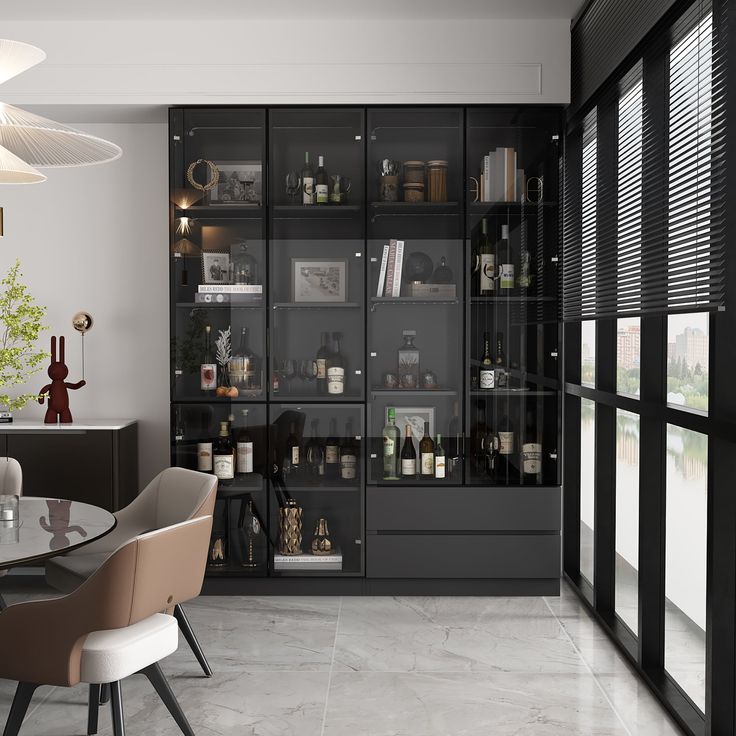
[{"x": 463, "y": 556}]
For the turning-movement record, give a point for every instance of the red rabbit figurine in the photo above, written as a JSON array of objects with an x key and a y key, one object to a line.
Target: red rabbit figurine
[{"x": 58, "y": 410}]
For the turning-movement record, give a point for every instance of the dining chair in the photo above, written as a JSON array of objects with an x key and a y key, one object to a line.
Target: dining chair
[
  {"x": 174, "y": 495},
  {"x": 11, "y": 484},
  {"x": 110, "y": 627}
]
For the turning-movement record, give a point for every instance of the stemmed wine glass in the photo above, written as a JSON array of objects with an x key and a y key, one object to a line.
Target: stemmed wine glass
[
  {"x": 307, "y": 371},
  {"x": 293, "y": 185}
]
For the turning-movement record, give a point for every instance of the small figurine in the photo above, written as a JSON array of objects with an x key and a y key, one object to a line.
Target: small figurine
[
  {"x": 58, "y": 410},
  {"x": 58, "y": 523}
]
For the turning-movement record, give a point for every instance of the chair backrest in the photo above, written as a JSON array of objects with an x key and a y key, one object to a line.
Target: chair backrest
[
  {"x": 146, "y": 575},
  {"x": 11, "y": 477},
  {"x": 173, "y": 496}
]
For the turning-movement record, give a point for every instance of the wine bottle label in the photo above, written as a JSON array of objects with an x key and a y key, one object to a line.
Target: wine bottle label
[
  {"x": 389, "y": 447},
  {"x": 204, "y": 457},
  {"x": 408, "y": 467},
  {"x": 208, "y": 376},
  {"x": 505, "y": 443},
  {"x": 439, "y": 466},
  {"x": 321, "y": 368},
  {"x": 531, "y": 456},
  {"x": 487, "y": 378},
  {"x": 335, "y": 380},
  {"x": 245, "y": 457},
  {"x": 428, "y": 463},
  {"x": 308, "y": 190},
  {"x": 224, "y": 467},
  {"x": 487, "y": 272},
  {"x": 295, "y": 456},
  {"x": 331, "y": 454},
  {"x": 507, "y": 276},
  {"x": 323, "y": 196},
  {"x": 348, "y": 467}
]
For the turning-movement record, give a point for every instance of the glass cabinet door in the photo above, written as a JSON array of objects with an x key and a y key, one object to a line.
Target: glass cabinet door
[
  {"x": 230, "y": 441},
  {"x": 415, "y": 278},
  {"x": 316, "y": 255},
  {"x": 512, "y": 332},
  {"x": 317, "y": 473}
]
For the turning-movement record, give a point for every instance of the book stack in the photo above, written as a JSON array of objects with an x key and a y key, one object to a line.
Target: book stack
[
  {"x": 392, "y": 261},
  {"x": 228, "y": 293},
  {"x": 500, "y": 180},
  {"x": 307, "y": 562}
]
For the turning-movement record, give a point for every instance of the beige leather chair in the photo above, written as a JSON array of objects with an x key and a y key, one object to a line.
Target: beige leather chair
[
  {"x": 110, "y": 627},
  {"x": 11, "y": 483},
  {"x": 174, "y": 495}
]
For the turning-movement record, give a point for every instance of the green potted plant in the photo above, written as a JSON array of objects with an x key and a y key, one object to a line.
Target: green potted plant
[{"x": 20, "y": 326}]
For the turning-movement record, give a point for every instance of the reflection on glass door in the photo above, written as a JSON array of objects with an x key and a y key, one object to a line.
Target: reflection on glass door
[{"x": 587, "y": 487}]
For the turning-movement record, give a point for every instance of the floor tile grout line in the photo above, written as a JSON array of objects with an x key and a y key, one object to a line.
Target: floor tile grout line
[
  {"x": 585, "y": 662},
  {"x": 332, "y": 666}
]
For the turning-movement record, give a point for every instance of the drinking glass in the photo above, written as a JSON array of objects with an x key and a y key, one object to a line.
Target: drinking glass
[{"x": 293, "y": 185}]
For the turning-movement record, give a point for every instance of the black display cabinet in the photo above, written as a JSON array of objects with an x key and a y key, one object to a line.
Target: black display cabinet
[{"x": 359, "y": 258}]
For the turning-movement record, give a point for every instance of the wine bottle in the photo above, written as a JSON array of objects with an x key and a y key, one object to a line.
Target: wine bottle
[
  {"x": 335, "y": 368},
  {"x": 426, "y": 452},
  {"x": 489, "y": 446},
  {"x": 292, "y": 459},
  {"x": 408, "y": 456},
  {"x": 242, "y": 364},
  {"x": 204, "y": 457},
  {"x": 500, "y": 362},
  {"x": 308, "y": 195},
  {"x": 531, "y": 451},
  {"x": 506, "y": 279},
  {"x": 391, "y": 442},
  {"x": 179, "y": 430},
  {"x": 322, "y": 183},
  {"x": 313, "y": 452},
  {"x": 524, "y": 281},
  {"x": 439, "y": 458},
  {"x": 244, "y": 447},
  {"x": 487, "y": 262},
  {"x": 208, "y": 366},
  {"x": 454, "y": 441},
  {"x": 486, "y": 374},
  {"x": 332, "y": 451},
  {"x": 506, "y": 443},
  {"x": 322, "y": 354},
  {"x": 223, "y": 457},
  {"x": 348, "y": 455}
]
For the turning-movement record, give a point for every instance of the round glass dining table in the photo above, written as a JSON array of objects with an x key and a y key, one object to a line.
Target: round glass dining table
[{"x": 47, "y": 527}]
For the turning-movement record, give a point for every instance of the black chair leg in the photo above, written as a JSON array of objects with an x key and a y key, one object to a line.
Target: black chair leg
[
  {"x": 104, "y": 694},
  {"x": 3, "y": 604},
  {"x": 189, "y": 635},
  {"x": 19, "y": 708},
  {"x": 162, "y": 687},
  {"x": 93, "y": 709},
  {"x": 116, "y": 703}
]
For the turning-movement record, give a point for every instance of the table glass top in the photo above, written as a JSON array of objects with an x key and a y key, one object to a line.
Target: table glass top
[{"x": 48, "y": 527}]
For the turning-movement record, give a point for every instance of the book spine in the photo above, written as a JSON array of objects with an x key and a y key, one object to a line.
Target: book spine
[
  {"x": 396, "y": 289},
  {"x": 486, "y": 178},
  {"x": 510, "y": 175},
  {"x": 497, "y": 176},
  {"x": 230, "y": 288},
  {"x": 382, "y": 274},
  {"x": 390, "y": 268}
]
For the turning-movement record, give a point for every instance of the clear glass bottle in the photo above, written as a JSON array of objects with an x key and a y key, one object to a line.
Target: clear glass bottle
[
  {"x": 245, "y": 269},
  {"x": 408, "y": 361},
  {"x": 242, "y": 365}
]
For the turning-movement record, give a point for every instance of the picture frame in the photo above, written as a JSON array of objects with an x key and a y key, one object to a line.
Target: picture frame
[
  {"x": 240, "y": 184},
  {"x": 415, "y": 416},
  {"x": 319, "y": 279},
  {"x": 215, "y": 267}
]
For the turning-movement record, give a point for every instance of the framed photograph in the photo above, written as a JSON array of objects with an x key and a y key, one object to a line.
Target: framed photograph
[
  {"x": 415, "y": 416},
  {"x": 215, "y": 267},
  {"x": 240, "y": 183},
  {"x": 319, "y": 280}
]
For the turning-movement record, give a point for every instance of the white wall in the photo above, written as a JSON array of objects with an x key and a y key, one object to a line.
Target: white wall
[{"x": 95, "y": 239}]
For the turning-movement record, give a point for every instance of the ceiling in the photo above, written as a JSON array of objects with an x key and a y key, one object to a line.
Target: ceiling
[{"x": 80, "y": 10}]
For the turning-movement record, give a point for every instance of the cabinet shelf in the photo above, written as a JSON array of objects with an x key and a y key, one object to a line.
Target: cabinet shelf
[
  {"x": 242, "y": 398},
  {"x": 414, "y": 209},
  {"x": 316, "y": 305},
  {"x": 219, "y": 305},
  {"x": 318, "y": 212},
  {"x": 510, "y": 299},
  {"x": 240, "y": 486},
  {"x": 325, "y": 487},
  {"x": 527, "y": 208},
  {"x": 408, "y": 392},
  {"x": 221, "y": 211},
  {"x": 490, "y": 393},
  {"x": 410, "y": 300}
]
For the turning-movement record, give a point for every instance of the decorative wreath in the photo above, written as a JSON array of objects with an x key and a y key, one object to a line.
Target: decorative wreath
[{"x": 212, "y": 168}]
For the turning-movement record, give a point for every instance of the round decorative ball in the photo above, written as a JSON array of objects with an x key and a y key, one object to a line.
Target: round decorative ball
[
  {"x": 418, "y": 267},
  {"x": 82, "y": 322}
]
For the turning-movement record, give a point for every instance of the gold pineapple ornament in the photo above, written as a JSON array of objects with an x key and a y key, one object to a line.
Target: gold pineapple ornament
[{"x": 322, "y": 544}]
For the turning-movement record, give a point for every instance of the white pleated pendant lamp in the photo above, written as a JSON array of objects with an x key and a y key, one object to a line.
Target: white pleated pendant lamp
[
  {"x": 16, "y": 57},
  {"x": 14, "y": 170}
]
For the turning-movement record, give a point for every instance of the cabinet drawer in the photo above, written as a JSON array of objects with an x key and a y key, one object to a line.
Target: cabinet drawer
[
  {"x": 463, "y": 556},
  {"x": 462, "y": 509}
]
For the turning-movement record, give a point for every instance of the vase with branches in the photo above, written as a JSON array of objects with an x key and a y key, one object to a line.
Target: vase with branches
[{"x": 21, "y": 323}]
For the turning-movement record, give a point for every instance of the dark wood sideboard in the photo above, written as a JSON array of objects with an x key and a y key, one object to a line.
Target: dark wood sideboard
[{"x": 94, "y": 461}]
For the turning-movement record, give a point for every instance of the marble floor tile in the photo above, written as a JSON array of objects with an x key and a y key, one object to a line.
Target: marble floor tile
[
  {"x": 452, "y": 635},
  {"x": 454, "y": 704},
  {"x": 271, "y": 633}
]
